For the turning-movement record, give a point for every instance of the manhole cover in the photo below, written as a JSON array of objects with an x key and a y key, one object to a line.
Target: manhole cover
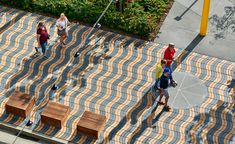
[{"x": 190, "y": 92}]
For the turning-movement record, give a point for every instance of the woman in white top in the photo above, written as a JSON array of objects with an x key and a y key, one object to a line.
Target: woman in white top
[{"x": 62, "y": 28}]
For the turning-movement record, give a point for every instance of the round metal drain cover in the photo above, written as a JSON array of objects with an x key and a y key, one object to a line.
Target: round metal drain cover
[{"x": 190, "y": 91}]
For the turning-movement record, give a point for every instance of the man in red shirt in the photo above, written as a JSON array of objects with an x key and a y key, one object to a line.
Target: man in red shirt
[{"x": 169, "y": 57}]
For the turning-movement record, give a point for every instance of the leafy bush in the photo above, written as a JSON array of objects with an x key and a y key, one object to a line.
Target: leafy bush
[
  {"x": 24, "y": 4},
  {"x": 139, "y": 18}
]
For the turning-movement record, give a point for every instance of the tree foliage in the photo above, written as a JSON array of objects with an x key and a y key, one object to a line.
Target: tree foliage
[{"x": 139, "y": 17}]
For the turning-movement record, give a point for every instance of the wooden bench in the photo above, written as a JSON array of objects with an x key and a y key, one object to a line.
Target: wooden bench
[
  {"x": 55, "y": 114},
  {"x": 91, "y": 124},
  {"x": 20, "y": 104}
]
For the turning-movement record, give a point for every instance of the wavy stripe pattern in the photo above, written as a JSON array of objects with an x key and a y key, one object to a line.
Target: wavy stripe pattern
[{"x": 112, "y": 76}]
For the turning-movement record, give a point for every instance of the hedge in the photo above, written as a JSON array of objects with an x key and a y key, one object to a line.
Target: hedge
[{"x": 139, "y": 17}]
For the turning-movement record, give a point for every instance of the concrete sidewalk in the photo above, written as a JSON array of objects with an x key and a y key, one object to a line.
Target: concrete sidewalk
[
  {"x": 182, "y": 26},
  {"x": 9, "y": 138}
]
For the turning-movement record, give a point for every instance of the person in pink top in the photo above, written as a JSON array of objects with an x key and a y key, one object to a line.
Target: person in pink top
[{"x": 169, "y": 57}]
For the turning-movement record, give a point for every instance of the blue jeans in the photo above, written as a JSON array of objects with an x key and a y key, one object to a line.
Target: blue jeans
[{"x": 43, "y": 46}]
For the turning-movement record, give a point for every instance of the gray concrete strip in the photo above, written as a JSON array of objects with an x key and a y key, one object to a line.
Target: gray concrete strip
[
  {"x": 8, "y": 138},
  {"x": 182, "y": 25},
  {"x": 7, "y": 130},
  {"x": 181, "y": 32}
]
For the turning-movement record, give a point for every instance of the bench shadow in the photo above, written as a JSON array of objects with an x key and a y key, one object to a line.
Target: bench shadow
[
  {"x": 11, "y": 119},
  {"x": 46, "y": 129},
  {"x": 81, "y": 138},
  {"x": 231, "y": 85}
]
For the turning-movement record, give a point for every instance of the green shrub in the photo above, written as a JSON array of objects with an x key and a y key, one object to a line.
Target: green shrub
[
  {"x": 24, "y": 4},
  {"x": 139, "y": 18}
]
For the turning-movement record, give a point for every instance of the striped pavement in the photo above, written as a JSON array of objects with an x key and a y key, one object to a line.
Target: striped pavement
[{"x": 112, "y": 77}]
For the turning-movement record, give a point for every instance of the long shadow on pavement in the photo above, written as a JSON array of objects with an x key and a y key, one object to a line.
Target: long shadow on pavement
[
  {"x": 231, "y": 85},
  {"x": 11, "y": 22},
  {"x": 142, "y": 105},
  {"x": 178, "y": 18},
  {"x": 187, "y": 51},
  {"x": 217, "y": 126},
  {"x": 147, "y": 123},
  {"x": 146, "y": 102}
]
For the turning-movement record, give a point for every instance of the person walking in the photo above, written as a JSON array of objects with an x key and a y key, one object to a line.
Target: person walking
[
  {"x": 164, "y": 82},
  {"x": 169, "y": 57},
  {"x": 42, "y": 37},
  {"x": 159, "y": 71},
  {"x": 62, "y": 28}
]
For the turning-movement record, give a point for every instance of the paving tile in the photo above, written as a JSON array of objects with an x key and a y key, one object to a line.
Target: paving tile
[{"x": 113, "y": 78}]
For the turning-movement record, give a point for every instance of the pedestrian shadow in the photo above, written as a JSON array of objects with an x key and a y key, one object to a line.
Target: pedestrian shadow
[
  {"x": 151, "y": 99},
  {"x": 78, "y": 77},
  {"x": 26, "y": 64},
  {"x": 147, "y": 101},
  {"x": 33, "y": 64},
  {"x": 80, "y": 66},
  {"x": 147, "y": 123},
  {"x": 89, "y": 61},
  {"x": 133, "y": 115},
  {"x": 153, "y": 121}
]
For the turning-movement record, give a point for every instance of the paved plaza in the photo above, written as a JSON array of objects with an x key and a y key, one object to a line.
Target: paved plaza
[{"x": 113, "y": 76}]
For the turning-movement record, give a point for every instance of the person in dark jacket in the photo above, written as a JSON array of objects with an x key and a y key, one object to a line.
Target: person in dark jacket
[{"x": 164, "y": 83}]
